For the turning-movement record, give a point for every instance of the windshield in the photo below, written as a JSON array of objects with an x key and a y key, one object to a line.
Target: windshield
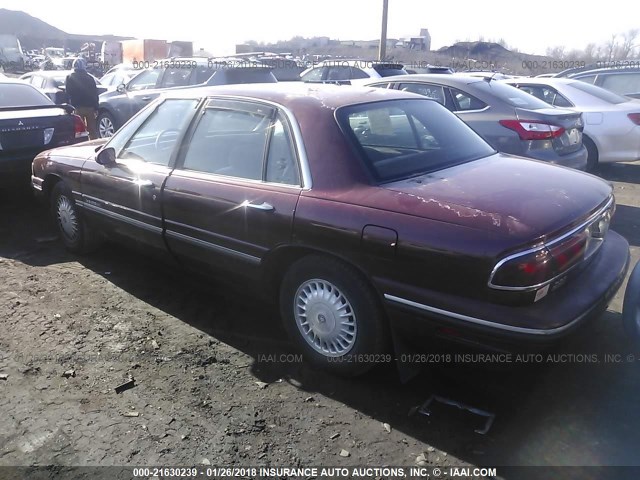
[
  {"x": 17, "y": 95},
  {"x": 600, "y": 93},
  {"x": 403, "y": 138}
]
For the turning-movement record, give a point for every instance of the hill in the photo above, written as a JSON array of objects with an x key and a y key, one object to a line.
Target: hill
[{"x": 35, "y": 33}]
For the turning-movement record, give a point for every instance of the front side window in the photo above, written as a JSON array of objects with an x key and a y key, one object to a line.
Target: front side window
[
  {"x": 156, "y": 139},
  {"x": 403, "y": 138},
  {"x": 144, "y": 80},
  {"x": 599, "y": 93},
  {"x": 314, "y": 75},
  {"x": 622, "y": 83}
]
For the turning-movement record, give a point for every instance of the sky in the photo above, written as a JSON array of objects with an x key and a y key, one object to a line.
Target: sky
[{"x": 217, "y": 25}]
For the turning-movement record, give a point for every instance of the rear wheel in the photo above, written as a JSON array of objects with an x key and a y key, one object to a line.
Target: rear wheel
[
  {"x": 106, "y": 125},
  {"x": 333, "y": 316},
  {"x": 592, "y": 154},
  {"x": 76, "y": 235}
]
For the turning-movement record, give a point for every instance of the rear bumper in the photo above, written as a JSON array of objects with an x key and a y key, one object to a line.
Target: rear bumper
[
  {"x": 16, "y": 169},
  {"x": 577, "y": 159},
  {"x": 507, "y": 328}
]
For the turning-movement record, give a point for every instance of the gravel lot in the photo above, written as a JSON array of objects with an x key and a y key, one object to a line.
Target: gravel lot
[{"x": 216, "y": 381}]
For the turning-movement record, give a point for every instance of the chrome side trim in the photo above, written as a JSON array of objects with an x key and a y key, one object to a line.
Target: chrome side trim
[
  {"x": 118, "y": 206},
  {"x": 213, "y": 246},
  {"x": 582, "y": 226},
  {"x": 479, "y": 321},
  {"x": 119, "y": 217},
  {"x": 36, "y": 183}
]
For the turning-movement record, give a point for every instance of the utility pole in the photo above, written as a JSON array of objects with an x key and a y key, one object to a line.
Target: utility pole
[{"x": 382, "y": 51}]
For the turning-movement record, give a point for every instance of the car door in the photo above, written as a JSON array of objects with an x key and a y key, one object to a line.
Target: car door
[
  {"x": 138, "y": 93},
  {"x": 232, "y": 198},
  {"x": 126, "y": 197}
]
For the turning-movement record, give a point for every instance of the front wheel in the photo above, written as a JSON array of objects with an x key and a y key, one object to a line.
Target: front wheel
[
  {"x": 333, "y": 316},
  {"x": 106, "y": 125},
  {"x": 76, "y": 235}
]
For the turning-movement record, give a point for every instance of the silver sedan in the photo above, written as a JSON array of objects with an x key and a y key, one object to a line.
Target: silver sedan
[{"x": 611, "y": 121}]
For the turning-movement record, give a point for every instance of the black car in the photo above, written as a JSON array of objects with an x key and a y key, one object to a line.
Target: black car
[
  {"x": 119, "y": 106},
  {"x": 29, "y": 124},
  {"x": 52, "y": 83}
]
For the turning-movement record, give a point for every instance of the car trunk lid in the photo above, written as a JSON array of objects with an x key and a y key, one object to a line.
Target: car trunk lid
[
  {"x": 565, "y": 132},
  {"x": 506, "y": 195},
  {"x": 34, "y": 129}
]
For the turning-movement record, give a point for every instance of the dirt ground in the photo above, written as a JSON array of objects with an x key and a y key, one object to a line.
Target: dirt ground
[{"x": 215, "y": 381}]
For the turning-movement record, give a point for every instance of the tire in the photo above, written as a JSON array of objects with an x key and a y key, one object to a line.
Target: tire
[
  {"x": 631, "y": 307},
  {"x": 76, "y": 236},
  {"x": 321, "y": 288},
  {"x": 106, "y": 125},
  {"x": 592, "y": 154}
]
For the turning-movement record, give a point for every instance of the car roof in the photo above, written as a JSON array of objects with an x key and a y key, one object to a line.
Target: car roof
[
  {"x": 541, "y": 80},
  {"x": 292, "y": 94}
]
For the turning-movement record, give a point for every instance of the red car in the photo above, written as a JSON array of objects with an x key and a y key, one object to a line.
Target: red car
[{"x": 359, "y": 209}]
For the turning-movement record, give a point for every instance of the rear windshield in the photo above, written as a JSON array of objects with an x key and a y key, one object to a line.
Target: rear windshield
[
  {"x": 16, "y": 95},
  {"x": 509, "y": 94},
  {"x": 390, "y": 70},
  {"x": 403, "y": 138},
  {"x": 601, "y": 93}
]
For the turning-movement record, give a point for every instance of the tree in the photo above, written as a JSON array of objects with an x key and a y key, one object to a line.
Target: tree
[{"x": 625, "y": 50}]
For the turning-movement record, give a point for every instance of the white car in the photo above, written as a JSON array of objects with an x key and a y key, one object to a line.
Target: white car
[
  {"x": 350, "y": 72},
  {"x": 611, "y": 121}
]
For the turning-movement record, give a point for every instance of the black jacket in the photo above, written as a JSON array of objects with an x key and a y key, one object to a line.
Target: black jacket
[{"x": 82, "y": 90}]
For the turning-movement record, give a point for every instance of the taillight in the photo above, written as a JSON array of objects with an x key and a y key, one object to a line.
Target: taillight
[
  {"x": 79, "y": 126},
  {"x": 635, "y": 118},
  {"x": 530, "y": 269},
  {"x": 533, "y": 129}
]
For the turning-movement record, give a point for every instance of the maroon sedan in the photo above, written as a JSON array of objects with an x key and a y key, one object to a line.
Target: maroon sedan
[{"x": 359, "y": 209}]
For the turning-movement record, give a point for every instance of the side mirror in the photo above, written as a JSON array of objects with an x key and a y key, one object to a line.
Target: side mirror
[
  {"x": 121, "y": 88},
  {"x": 106, "y": 157}
]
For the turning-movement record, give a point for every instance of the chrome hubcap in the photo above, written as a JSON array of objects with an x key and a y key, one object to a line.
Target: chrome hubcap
[
  {"x": 105, "y": 127},
  {"x": 67, "y": 218},
  {"x": 325, "y": 318}
]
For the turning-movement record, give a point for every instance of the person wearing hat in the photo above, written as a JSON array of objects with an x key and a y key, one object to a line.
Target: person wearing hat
[{"x": 83, "y": 95}]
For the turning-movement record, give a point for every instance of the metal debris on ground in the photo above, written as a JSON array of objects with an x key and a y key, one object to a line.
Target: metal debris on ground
[
  {"x": 344, "y": 453},
  {"x": 126, "y": 385},
  {"x": 490, "y": 417},
  {"x": 334, "y": 436},
  {"x": 262, "y": 385},
  {"x": 155, "y": 345},
  {"x": 69, "y": 373},
  {"x": 4, "y": 376},
  {"x": 131, "y": 414},
  {"x": 386, "y": 427}
]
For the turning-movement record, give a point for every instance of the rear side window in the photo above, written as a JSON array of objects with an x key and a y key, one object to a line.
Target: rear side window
[
  {"x": 402, "y": 138},
  {"x": 622, "y": 83},
  {"x": 229, "y": 142},
  {"x": 434, "y": 92},
  {"x": 20, "y": 95},
  {"x": 546, "y": 94},
  {"x": 176, "y": 77},
  {"x": 339, "y": 73},
  {"x": 600, "y": 93},
  {"x": 466, "y": 102}
]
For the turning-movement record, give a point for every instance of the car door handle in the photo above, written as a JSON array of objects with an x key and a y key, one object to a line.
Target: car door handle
[
  {"x": 265, "y": 207},
  {"x": 144, "y": 183},
  {"x": 146, "y": 99}
]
